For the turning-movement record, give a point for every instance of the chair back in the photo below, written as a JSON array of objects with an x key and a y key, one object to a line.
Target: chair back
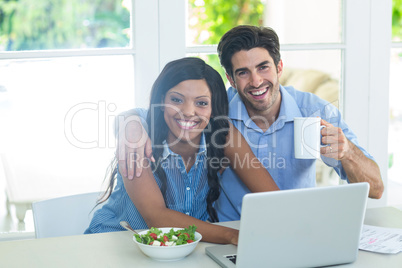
[{"x": 64, "y": 216}]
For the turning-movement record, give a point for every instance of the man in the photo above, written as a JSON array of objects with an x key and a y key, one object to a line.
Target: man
[{"x": 263, "y": 111}]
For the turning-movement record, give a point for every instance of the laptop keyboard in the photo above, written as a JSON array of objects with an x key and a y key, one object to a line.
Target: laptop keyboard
[{"x": 232, "y": 258}]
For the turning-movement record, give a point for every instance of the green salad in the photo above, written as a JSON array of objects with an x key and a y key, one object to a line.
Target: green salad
[{"x": 155, "y": 237}]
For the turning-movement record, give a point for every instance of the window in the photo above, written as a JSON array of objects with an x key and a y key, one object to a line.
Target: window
[
  {"x": 67, "y": 69},
  {"x": 46, "y": 24},
  {"x": 207, "y": 22},
  {"x": 395, "y": 113},
  {"x": 111, "y": 51},
  {"x": 59, "y": 115}
]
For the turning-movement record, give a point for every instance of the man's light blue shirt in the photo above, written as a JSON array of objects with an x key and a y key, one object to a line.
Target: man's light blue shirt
[{"x": 275, "y": 147}]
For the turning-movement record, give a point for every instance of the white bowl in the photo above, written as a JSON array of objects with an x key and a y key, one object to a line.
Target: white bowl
[{"x": 170, "y": 253}]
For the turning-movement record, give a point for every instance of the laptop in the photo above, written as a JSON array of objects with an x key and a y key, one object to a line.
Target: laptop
[{"x": 297, "y": 228}]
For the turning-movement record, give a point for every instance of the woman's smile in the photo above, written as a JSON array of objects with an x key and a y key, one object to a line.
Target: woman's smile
[{"x": 187, "y": 124}]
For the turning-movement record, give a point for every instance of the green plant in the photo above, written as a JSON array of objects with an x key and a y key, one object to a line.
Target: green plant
[
  {"x": 62, "y": 24},
  {"x": 216, "y": 17},
  {"x": 397, "y": 20}
]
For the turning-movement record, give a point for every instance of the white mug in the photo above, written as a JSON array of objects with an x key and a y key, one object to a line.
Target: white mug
[{"x": 307, "y": 137}]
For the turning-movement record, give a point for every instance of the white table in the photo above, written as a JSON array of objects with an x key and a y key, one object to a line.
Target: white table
[{"x": 118, "y": 250}]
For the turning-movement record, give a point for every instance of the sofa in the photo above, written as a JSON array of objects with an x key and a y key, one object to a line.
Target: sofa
[{"x": 313, "y": 81}]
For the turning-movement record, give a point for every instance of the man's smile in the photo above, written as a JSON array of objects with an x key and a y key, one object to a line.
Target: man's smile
[{"x": 259, "y": 93}]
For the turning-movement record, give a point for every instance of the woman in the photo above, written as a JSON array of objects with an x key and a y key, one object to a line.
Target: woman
[{"x": 192, "y": 140}]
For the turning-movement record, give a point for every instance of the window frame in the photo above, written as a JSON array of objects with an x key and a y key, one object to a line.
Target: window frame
[
  {"x": 144, "y": 48},
  {"x": 368, "y": 41}
]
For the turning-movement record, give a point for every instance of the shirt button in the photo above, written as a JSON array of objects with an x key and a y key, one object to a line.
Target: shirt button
[
  {"x": 188, "y": 188},
  {"x": 187, "y": 213}
]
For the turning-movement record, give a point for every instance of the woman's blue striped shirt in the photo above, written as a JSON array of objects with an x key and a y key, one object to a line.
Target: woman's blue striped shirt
[{"x": 186, "y": 193}]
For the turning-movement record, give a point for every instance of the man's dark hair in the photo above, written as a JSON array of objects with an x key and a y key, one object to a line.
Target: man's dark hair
[{"x": 246, "y": 37}]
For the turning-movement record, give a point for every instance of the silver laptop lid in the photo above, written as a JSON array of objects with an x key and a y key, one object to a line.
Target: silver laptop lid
[{"x": 302, "y": 228}]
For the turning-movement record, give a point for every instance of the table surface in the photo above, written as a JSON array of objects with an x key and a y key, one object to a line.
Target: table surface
[{"x": 118, "y": 249}]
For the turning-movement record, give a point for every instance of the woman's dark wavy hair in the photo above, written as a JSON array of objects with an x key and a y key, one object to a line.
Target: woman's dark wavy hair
[
  {"x": 215, "y": 133},
  {"x": 246, "y": 37}
]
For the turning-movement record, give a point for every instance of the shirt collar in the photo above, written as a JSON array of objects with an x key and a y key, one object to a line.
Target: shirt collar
[
  {"x": 289, "y": 108},
  {"x": 237, "y": 109},
  {"x": 167, "y": 151}
]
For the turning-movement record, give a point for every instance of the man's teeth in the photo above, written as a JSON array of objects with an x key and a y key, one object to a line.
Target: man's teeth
[
  {"x": 186, "y": 123},
  {"x": 258, "y": 92}
]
